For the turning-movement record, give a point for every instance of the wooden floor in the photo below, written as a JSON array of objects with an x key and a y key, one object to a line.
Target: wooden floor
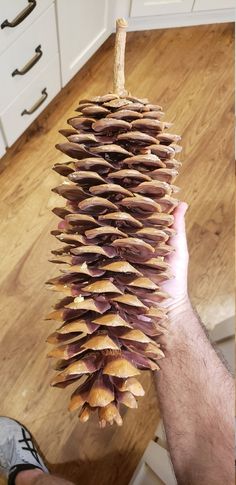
[{"x": 190, "y": 72}]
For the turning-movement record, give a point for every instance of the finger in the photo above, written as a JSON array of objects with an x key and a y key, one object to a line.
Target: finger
[
  {"x": 179, "y": 215},
  {"x": 179, "y": 241}
]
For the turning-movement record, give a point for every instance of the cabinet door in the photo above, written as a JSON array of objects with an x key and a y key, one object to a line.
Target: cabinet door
[
  {"x": 142, "y": 8},
  {"x": 213, "y": 4},
  {"x": 83, "y": 26}
]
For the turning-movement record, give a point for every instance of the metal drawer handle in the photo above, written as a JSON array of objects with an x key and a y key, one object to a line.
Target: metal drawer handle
[
  {"x": 30, "y": 64},
  {"x": 37, "y": 104},
  {"x": 21, "y": 16}
]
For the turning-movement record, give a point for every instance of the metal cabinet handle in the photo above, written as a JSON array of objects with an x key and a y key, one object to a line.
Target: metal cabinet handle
[
  {"x": 37, "y": 104},
  {"x": 21, "y": 16},
  {"x": 30, "y": 64}
]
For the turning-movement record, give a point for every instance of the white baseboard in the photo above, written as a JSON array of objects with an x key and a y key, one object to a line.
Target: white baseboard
[
  {"x": 223, "y": 330},
  {"x": 181, "y": 19}
]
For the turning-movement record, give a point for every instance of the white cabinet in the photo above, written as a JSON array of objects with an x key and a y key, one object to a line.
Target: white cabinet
[
  {"x": 141, "y": 8},
  {"x": 83, "y": 25},
  {"x": 161, "y": 14},
  {"x": 29, "y": 64},
  {"x": 213, "y": 4},
  {"x": 24, "y": 59}
]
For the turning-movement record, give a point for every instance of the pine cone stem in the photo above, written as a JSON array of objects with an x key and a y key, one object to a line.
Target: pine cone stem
[{"x": 119, "y": 58}]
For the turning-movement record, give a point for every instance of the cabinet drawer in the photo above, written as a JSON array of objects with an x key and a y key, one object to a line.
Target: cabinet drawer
[
  {"x": 2, "y": 144},
  {"x": 213, "y": 4},
  {"x": 26, "y": 107},
  {"x": 16, "y": 16},
  {"x": 142, "y": 8},
  {"x": 24, "y": 59}
]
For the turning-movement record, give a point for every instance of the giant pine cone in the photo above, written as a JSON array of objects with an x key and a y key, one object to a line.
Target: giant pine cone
[{"x": 114, "y": 228}]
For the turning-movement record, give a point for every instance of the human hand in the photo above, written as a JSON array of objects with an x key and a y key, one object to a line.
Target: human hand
[{"x": 177, "y": 287}]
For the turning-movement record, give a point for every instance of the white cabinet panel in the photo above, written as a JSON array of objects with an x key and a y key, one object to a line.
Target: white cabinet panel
[
  {"x": 29, "y": 104},
  {"x": 16, "y": 16},
  {"x": 24, "y": 59},
  {"x": 83, "y": 27},
  {"x": 2, "y": 145},
  {"x": 142, "y": 8},
  {"x": 213, "y": 4}
]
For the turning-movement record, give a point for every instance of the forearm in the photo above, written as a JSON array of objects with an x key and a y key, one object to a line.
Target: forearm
[{"x": 196, "y": 396}]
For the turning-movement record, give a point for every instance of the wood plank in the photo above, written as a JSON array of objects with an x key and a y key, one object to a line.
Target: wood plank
[{"x": 190, "y": 72}]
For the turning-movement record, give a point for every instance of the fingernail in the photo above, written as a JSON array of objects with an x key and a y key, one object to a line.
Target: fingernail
[{"x": 186, "y": 206}]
